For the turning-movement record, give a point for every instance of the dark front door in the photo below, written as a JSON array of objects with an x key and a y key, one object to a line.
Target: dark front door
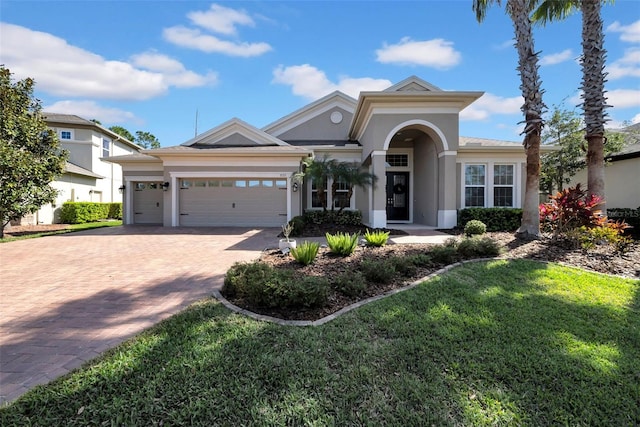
[{"x": 397, "y": 196}]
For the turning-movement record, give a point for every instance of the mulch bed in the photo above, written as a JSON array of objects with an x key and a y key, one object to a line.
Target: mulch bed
[{"x": 601, "y": 260}]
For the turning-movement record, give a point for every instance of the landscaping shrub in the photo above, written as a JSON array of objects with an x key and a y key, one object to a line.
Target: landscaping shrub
[
  {"x": 342, "y": 244},
  {"x": 264, "y": 286},
  {"x": 569, "y": 209},
  {"x": 346, "y": 217},
  {"x": 306, "y": 252},
  {"x": 446, "y": 253},
  {"x": 474, "y": 227},
  {"x": 376, "y": 237},
  {"x": 420, "y": 260},
  {"x": 404, "y": 266},
  {"x": 629, "y": 216},
  {"x": 81, "y": 212},
  {"x": 478, "y": 247},
  {"x": 609, "y": 233},
  {"x": 378, "y": 271},
  {"x": 350, "y": 283},
  {"x": 297, "y": 225},
  {"x": 242, "y": 274},
  {"x": 496, "y": 219}
]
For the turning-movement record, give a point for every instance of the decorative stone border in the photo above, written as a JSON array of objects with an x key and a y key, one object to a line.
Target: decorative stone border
[{"x": 343, "y": 310}]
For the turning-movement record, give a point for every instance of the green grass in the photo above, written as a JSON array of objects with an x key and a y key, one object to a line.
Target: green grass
[
  {"x": 492, "y": 343},
  {"x": 70, "y": 229}
]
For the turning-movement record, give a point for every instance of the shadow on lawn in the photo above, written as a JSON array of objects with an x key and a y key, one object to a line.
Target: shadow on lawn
[
  {"x": 514, "y": 353},
  {"x": 482, "y": 344}
]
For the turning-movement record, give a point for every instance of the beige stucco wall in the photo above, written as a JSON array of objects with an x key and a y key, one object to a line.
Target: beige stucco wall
[
  {"x": 622, "y": 183},
  {"x": 321, "y": 128}
]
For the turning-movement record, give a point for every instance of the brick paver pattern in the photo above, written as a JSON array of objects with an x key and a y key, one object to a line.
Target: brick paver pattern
[{"x": 66, "y": 299}]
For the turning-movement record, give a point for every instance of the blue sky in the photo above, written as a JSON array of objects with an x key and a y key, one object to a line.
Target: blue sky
[{"x": 150, "y": 65}]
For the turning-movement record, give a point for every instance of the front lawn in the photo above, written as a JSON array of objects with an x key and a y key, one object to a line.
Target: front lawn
[
  {"x": 492, "y": 343},
  {"x": 31, "y": 232}
]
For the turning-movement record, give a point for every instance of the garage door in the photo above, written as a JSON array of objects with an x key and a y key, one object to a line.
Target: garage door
[
  {"x": 147, "y": 203},
  {"x": 233, "y": 202}
]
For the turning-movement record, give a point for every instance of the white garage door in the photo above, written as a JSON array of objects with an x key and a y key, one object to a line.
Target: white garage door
[
  {"x": 233, "y": 202},
  {"x": 147, "y": 202}
]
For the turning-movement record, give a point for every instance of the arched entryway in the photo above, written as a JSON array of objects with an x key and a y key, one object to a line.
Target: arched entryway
[{"x": 414, "y": 179}]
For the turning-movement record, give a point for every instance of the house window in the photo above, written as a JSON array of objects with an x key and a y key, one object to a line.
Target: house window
[
  {"x": 474, "y": 185},
  {"x": 503, "y": 185},
  {"x": 316, "y": 202},
  {"x": 397, "y": 160},
  {"x": 341, "y": 195},
  {"x": 106, "y": 145},
  {"x": 66, "y": 134}
]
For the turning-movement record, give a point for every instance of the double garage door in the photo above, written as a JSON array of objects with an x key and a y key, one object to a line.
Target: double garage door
[{"x": 232, "y": 202}]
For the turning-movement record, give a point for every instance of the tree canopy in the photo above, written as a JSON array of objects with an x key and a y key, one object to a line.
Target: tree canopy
[
  {"x": 30, "y": 154},
  {"x": 142, "y": 138}
]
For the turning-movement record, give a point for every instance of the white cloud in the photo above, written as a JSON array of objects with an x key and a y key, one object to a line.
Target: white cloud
[
  {"x": 629, "y": 33},
  {"x": 623, "y": 98},
  {"x": 220, "y": 19},
  {"x": 309, "y": 82},
  {"x": 556, "y": 58},
  {"x": 174, "y": 72},
  {"x": 92, "y": 110},
  {"x": 62, "y": 69},
  {"x": 436, "y": 53},
  {"x": 627, "y": 66},
  {"x": 490, "y": 104},
  {"x": 635, "y": 119},
  {"x": 195, "y": 39}
]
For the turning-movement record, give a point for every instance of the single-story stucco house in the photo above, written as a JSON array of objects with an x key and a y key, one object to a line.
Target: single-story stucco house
[{"x": 407, "y": 135}]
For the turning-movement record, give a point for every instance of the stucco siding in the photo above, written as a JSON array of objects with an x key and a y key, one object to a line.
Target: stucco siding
[
  {"x": 622, "y": 179},
  {"x": 321, "y": 128},
  {"x": 425, "y": 183}
]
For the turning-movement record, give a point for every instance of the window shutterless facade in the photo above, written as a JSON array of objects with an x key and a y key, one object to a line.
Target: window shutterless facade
[
  {"x": 489, "y": 185},
  {"x": 106, "y": 147},
  {"x": 503, "y": 185},
  {"x": 341, "y": 194},
  {"x": 474, "y": 185}
]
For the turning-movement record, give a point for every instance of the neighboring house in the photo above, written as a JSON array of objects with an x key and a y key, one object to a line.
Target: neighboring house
[
  {"x": 622, "y": 178},
  {"x": 87, "y": 177},
  {"x": 407, "y": 135}
]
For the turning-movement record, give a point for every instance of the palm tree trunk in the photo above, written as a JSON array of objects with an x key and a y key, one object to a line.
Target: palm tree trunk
[
  {"x": 594, "y": 105},
  {"x": 532, "y": 108}
]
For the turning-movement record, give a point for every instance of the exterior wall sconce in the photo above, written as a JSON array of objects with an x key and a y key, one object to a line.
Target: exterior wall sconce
[
  {"x": 165, "y": 185},
  {"x": 90, "y": 191},
  {"x": 122, "y": 188},
  {"x": 295, "y": 187}
]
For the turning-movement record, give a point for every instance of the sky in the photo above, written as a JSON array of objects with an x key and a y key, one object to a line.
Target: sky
[{"x": 174, "y": 68}]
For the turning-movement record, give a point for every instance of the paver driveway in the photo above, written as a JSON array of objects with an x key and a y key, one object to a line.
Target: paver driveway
[{"x": 65, "y": 299}]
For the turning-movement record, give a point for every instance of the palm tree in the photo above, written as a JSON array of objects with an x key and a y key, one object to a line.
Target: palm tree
[
  {"x": 593, "y": 78},
  {"x": 532, "y": 108},
  {"x": 318, "y": 171},
  {"x": 351, "y": 174}
]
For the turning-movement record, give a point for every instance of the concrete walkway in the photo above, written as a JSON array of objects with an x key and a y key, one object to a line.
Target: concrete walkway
[{"x": 65, "y": 299}]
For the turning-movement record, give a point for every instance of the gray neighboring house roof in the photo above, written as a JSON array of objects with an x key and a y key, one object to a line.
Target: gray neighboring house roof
[
  {"x": 72, "y": 120},
  {"x": 79, "y": 170}
]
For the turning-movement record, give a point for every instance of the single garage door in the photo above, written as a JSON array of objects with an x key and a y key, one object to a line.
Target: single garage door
[
  {"x": 233, "y": 202},
  {"x": 147, "y": 203}
]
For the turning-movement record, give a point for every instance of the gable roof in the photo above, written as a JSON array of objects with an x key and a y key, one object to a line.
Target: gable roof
[
  {"x": 222, "y": 136},
  {"x": 413, "y": 84},
  {"x": 73, "y": 121},
  {"x": 79, "y": 170},
  {"x": 308, "y": 112}
]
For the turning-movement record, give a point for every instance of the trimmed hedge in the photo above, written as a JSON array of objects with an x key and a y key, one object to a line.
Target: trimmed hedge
[
  {"x": 496, "y": 219},
  {"x": 346, "y": 217},
  {"x": 81, "y": 212}
]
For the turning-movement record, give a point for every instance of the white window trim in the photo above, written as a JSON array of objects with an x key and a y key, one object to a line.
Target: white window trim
[
  {"x": 512, "y": 186},
  {"x": 59, "y": 131},
  {"x": 485, "y": 186},
  {"x": 489, "y": 186},
  {"x": 352, "y": 202}
]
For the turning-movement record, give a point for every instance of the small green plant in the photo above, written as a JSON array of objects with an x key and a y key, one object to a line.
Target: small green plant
[
  {"x": 241, "y": 275},
  {"x": 420, "y": 260},
  {"x": 350, "y": 283},
  {"x": 446, "y": 253},
  {"x": 608, "y": 233},
  {"x": 378, "y": 271},
  {"x": 474, "y": 228},
  {"x": 306, "y": 252},
  {"x": 342, "y": 244},
  {"x": 376, "y": 237},
  {"x": 308, "y": 291},
  {"x": 478, "y": 247},
  {"x": 404, "y": 266}
]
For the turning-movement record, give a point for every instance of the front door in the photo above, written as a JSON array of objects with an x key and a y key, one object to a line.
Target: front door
[{"x": 397, "y": 196}]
